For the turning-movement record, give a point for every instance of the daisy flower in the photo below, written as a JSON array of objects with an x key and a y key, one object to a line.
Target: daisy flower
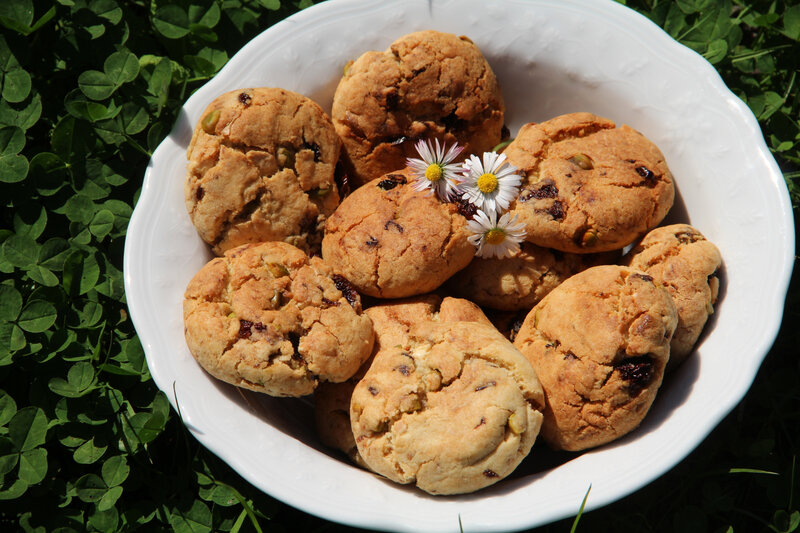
[
  {"x": 495, "y": 238},
  {"x": 436, "y": 170},
  {"x": 490, "y": 185}
]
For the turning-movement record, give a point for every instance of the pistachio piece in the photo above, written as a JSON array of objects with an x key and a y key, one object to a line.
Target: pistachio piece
[
  {"x": 278, "y": 270},
  {"x": 589, "y": 238},
  {"x": 209, "y": 122},
  {"x": 583, "y": 161},
  {"x": 285, "y": 157},
  {"x": 319, "y": 192},
  {"x": 516, "y": 423},
  {"x": 410, "y": 404},
  {"x": 347, "y": 66},
  {"x": 379, "y": 426},
  {"x": 277, "y": 299}
]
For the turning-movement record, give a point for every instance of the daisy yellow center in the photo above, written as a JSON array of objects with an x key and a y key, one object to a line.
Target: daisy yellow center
[
  {"x": 487, "y": 183},
  {"x": 434, "y": 172},
  {"x": 494, "y": 236}
]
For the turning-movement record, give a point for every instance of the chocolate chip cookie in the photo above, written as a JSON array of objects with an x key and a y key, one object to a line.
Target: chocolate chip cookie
[
  {"x": 267, "y": 318},
  {"x": 686, "y": 263},
  {"x": 427, "y": 85},
  {"x": 588, "y": 186},
  {"x": 391, "y": 241},
  {"x": 599, "y": 343},
  {"x": 261, "y": 168}
]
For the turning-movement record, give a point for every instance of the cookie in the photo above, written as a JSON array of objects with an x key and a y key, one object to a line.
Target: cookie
[
  {"x": 261, "y": 168},
  {"x": 599, "y": 343},
  {"x": 588, "y": 186},
  {"x": 453, "y": 410},
  {"x": 426, "y": 85},
  {"x": 391, "y": 322},
  {"x": 680, "y": 258},
  {"x": 391, "y": 241},
  {"x": 520, "y": 281},
  {"x": 267, "y": 318},
  {"x": 462, "y": 379}
]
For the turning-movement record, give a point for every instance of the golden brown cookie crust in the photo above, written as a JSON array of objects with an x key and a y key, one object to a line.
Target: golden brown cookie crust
[
  {"x": 588, "y": 186},
  {"x": 391, "y": 241},
  {"x": 520, "y": 281},
  {"x": 391, "y": 322},
  {"x": 599, "y": 344},
  {"x": 261, "y": 168},
  {"x": 686, "y": 263},
  {"x": 427, "y": 85},
  {"x": 267, "y": 318},
  {"x": 459, "y": 379}
]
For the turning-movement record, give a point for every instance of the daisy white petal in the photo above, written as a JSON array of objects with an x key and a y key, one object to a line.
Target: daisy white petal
[
  {"x": 491, "y": 184},
  {"x": 435, "y": 170},
  {"x": 495, "y": 238}
]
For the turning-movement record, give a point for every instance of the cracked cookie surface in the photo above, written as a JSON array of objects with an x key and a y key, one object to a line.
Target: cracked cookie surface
[
  {"x": 267, "y": 318},
  {"x": 599, "y": 344},
  {"x": 391, "y": 241},
  {"x": 520, "y": 281},
  {"x": 588, "y": 186},
  {"x": 391, "y": 322},
  {"x": 686, "y": 263},
  {"x": 261, "y": 168},
  {"x": 454, "y": 409},
  {"x": 427, "y": 85}
]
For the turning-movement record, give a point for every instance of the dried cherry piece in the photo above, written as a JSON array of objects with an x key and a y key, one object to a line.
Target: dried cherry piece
[
  {"x": 391, "y": 181},
  {"x": 346, "y": 288},
  {"x": 647, "y": 174},
  {"x": 244, "y": 329},
  {"x": 466, "y": 208},
  {"x": 395, "y": 225},
  {"x": 637, "y": 371},
  {"x": 557, "y": 210},
  {"x": 547, "y": 190}
]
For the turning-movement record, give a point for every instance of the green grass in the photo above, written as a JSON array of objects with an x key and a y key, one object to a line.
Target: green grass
[{"x": 87, "y": 442}]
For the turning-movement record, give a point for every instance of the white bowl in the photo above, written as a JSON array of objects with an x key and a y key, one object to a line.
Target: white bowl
[{"x": 551, "y": 57}]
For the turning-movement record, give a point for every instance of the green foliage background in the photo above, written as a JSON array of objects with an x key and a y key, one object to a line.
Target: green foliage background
[{"x": 87, "y": 442}]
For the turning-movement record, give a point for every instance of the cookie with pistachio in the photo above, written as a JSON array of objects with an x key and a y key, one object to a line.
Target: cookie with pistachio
[
  {"x": 261, "y": 168},
  {"x": 453, "y": 409},
  {"x": 518, "y": 282},
  {"x": 391, "y": 322},
  {"x": 599, "y": 343},
  {"x": 588, "y": 185},
  {"x": 267, "y": 318},
  {"x": 426, "y": 85},
  {"x": 392, "y": 241},
  {"x": 686, "y": 263}
]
